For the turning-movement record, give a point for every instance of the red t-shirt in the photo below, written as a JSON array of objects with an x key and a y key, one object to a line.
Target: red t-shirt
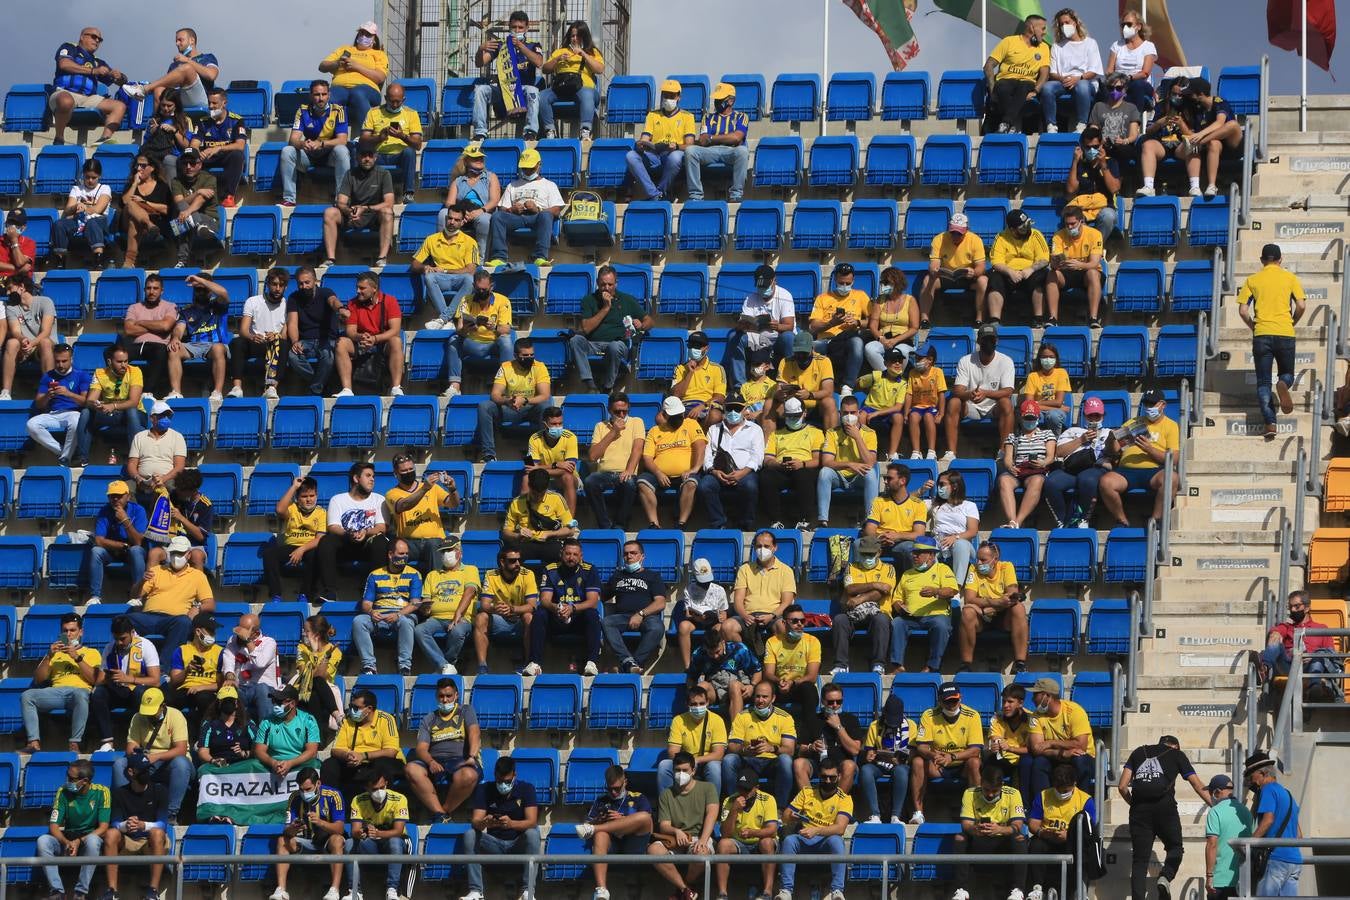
[
  {"x": 375, "y": 318},
  {"x": 26, "y": 244},
  {"x": 1286, "y": 631}
]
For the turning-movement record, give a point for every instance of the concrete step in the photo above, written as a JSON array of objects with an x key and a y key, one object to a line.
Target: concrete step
[
  {"x": 1175, "y": 635},
  {"x": 1217, "y": 592},
  {"x": 1229, "y": 558}
]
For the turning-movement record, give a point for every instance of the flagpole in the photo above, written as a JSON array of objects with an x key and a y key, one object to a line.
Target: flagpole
[
  {"x": 1303, "y": 83},
  {"x": 1143, "y": 12},
  {"x": 824, "y": 60},
  {"x": 984, "y": 31}
]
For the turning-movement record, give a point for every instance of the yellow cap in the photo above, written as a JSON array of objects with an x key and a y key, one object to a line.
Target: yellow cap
[
  {"x": 474, "y": 151},
  {"x": 115, "y": 488},
  {"x": 228, "y": 692},
  {"x": 671, "y": 86},
  {"x": 529, "y": 159},
  {"x": 151, "y": 702},
  {"x": 723, "y": 91}
]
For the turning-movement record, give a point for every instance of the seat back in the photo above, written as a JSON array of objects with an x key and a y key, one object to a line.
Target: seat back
[
  {"x": 904, "y": 96},
  {"x": 795, "y": 97}
]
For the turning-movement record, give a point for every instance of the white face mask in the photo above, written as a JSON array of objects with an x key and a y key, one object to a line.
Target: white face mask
[
  {"x": 218, "y": 114},
  {"x": 669, "y": 105},
  {"x": 177, "y": 561},
  {"x": 450, "y": 559},
  {"x": 1064, "y": 795},
  {"x": 761, "y": 371},
  {"x": 683, "y": 778},
  {"x": 1128, "y": 32},
  {"x": 851, "y": 419},
  {"x": 1069, "y": 30},
  {"x": 378, "y": 796},
  {"x": 764, "y": 554}
]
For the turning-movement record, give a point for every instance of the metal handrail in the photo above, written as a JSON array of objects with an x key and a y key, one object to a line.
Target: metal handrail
[
  {"x": 1263, "y": 150},
  {"x": 1286, "y": 551},
  {"x": 1169, "y": 480},
  {"x": 1334, "y": 338},
  {"x": 1236, "y": 757},
  {"x": 1290, "y": 719},
  {"x": 1253, "y": 699},
  {"x": 1314, "y": 484},
  {"x": 1150, "y": 575},
  {"x": 1117, "y": 712},
  {"x": 1244, "y": 216},
  {"x": 1299, "y": 556},
  {"x": 1136, "y": 638},
  {"x": 1229, "y": 271},
  {"x": 1215, "y": 302},
  {"x": 1342, "y": 346}
]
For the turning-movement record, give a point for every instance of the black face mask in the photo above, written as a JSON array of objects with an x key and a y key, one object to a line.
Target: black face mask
[
  {"x": 1298, "y": 616},
  {"x": 988, "y": 346},
  {"x": 15, "y": 296},
  {"x": 482, "y": 295},
  {"x": 675, "y": 421},
  {"x": 407, "y": 478},
  {"x": 227, "y": 707}
]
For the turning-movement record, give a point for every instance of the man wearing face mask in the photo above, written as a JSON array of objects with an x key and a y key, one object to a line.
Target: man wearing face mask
[
  {"x": 732, "y": 457},
  {"x": 923, "y": 600},
  {"x": 1018, "y": 265},
  {"x": 838, "y": 318},
  {"x": 1083, "y": 458},
  {"x": 1278, "y": 654},
  {"x": 448, "y": 600},
  {"x": 660, "y": 148},
  {"x": 1277, "y": 815},
  {"x": 523, "y": 59},
  {"x": 1054, "y": 824},
  {"x": 699, "y": 736},
  {"x": 318, "y": 137},
  {"x": 157, "y": 455},
  {"x": 808, "y": 377},
  {"x": 396, "y": 130},
  {"x": 763, "y": 740},
  {"x": 615, "y": 456},
  {"x": 446, "y": 753},
  {"x": 726, "y": 670},
  {"x": 1094, "y": 181},
  {"x": 635, "y": 599},
  {"x": 1059, "y": 732},
  {"x": 673, "y": 452},
  {"x": 1015, "y": 72},
  {"x": 554, "y": 449},
  {"x": 62, "y": 682},
  {"x": 898, "y": 518},
  {"x": 61, "y": 395},
  {"x": 569, "y": 601},
  {"x": 365, "y": 200},
  {"x": 505, "y": 819},
  {"x": 312, "y": 329},
  {"x": 158, "y": 734},
  {"x": 35, "y": 318},
  {"x": 251, "y": 664},
  {"x": 77, "y": 825},
  {"x": 195, "y": 671},
  {"x": 521, "y": 390},
  {"x": 764, "y": 589},
  {"x": 530, "y": 201},
  {"x": 868, "y": 586},
  {"x": 139, "y": 812},
  {"x": 389, "y": 609},
  {"x": 172, "y": 594},
  {"x": 792, "y": 664},
  {"x": 367, "y": 744},
  {"x": 722, "y": 141},
  {"x": 1076, "y": 259},
  {"x": 790, "y": 469},
  {"x": 820, "y": 816},
  {"x": 262, "y": 335},
  {"x": 1142, "y": 455},
  {"x": 956, "y": 262},
  {"x": 686, "y": 814},
  {"x": 222, "y": 137},
  {"x": 759, "y": 390},
  {"x": 416, "y": 506},
  {"x": 983, "y": 390},
  {"x": 481, "y": 321},
  {"x": 1148, "y": 784},
  {"x": 379, "y": 820},
  {"x": 1214, "y": 129},
  {"x": 992, "y": 821},
  {"x": 537, "y": 521},
  {"x": 288, "y": 737},
  {"x": 446, "y": 262},
  {"x": 848, "y": 461},
  {"x": 949, "y": 744},
  {"x": 619, "y": 821},
  {"x": 699, "y": 382},
  {"x": 191, "y": 73},
  {"x": 315, "y": 823},
  {"x": 610, "y": 319}
]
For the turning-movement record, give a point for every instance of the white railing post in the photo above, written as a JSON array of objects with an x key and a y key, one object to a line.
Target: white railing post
[
  {"x": 1264, "y": 149},
  {"x": 1248, "y": 164},
  {"x": 1328, "y": 411}
]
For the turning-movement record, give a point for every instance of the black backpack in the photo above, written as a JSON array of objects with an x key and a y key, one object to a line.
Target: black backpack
[{"x": 1093, "y": 860}]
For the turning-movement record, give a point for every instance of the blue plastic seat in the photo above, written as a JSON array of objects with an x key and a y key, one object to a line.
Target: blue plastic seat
[
  {"x": 563, "y": 840},
  {"x": 116, "y": 160},
  {"x": 497, "y": 699},
  {"x": 461, "y": 472},
  {"x": 978, "y": 475},
  {"x": 1193, "y": 285},
  {"x": 789, "y": 546},
  {"x": 443, "y": 838},
  {"x": 412, "y": 422},
  {"x": 647, "y": 225},
  {"x": 683, "y": 289},
  {"x": 480, "y": 548},
  {"x": 1095, "y": 693},
  {"x": 560, "y": 161},
  {"x": 988, "y": 216},
  {"x": 1003, "y": 159},
  {"x": 57, "y": 168},
  {"x": 629, "y": 99},
  {"x": 850, "y": 96},
  {"x": 91, "y": 491},
  {"x": 934, "y": 838},
  {"x": 44, "y": 493},
  {"x": 241, "y": 559},
  {"x": 499, "y": 484},
  {"x": 1175, "y": 354},
  {"x": 297, "y": 423},
  {"x": 438, "y": 158},
  {"x": 287, "y": 100},
  {"x": 256, "y": 229},
  {"x": 586, "y": 774},
  {"x": 961, "y": 94},
  {"x": 116, "y": 290},
  {"x": 66, "y": 566},
  {"x": 20, "y": 841},
  {"x": 1054, "y": 627},
  {"x": 750, "y": 93},
  {"x": 778, "y": 161},
  {"x": 241, "y": 283},
  {"x": 818, "y": 553},
  {"x": 429, "y": 355},
  {"x": 252, "y": 101},
  {"x": 862, "y": 693},
  {"x": 603, "y": 548},
  {"x": 207, "y": 840},
  {"x": 422, "y": 697},
  {"x": 11, "y": 700},
  {"x": 1019, "y": 344},
  {"x": 917, "y": 690},
  {"x": 14, "y": 415},
  {"x": 703, "y": 226},
  {"x": 876, "y": 838},
  {"x": 1126, "y": 557},
  {"x": 1122, "y": 351},
  {"x": 502, "y": 157},
  {"x": 981, "y": 691},
  {"x": 354, "y": 423},
  {"x": 266, "y": 162},
  {"x": 722, "y": 548},
  {"x": 1071, "y": 555},
  {"x": 1044, "y": 213},
  {"x": 615, "y": 702},
  {"x": 694, "y": 93},
  {"x": 223, "y": 484},
  {"x": 905, "y": 96},
  {"x": 283, "y": 621},
  {"x": 1241, "y": 87},
  {"x": 550, "y": 348},
  {"x": 1208, "y": 222},
  {"x": 388, "y": 691},
  {"x": 1140, "y": 286},
  {"x": 666, "y": 699},
  {"x": 951, "y": 345},
  {"x": 26, "y": 110},
  {"x": 795, "y": 97},
  {"x": 891, "y": 160},
  {"x": 10, "y": 767},
  {"x": 457, "y": 102},
  {"x": 20, "y": 563},
  {"x": 1110, "y": 629},
  {"x": 801, "y": 280},
  {"x": 946, "y": 160},
  {"x": 872, "y": 225},
  {"x": 1155, "y": 222},
  {"x": 419, "y": 94},
  {"x": 461, "y": 420},
  {"x": 304, "y": 230},
  {"x": 417, "y": 222},
  {"x": 664, "y": 551},
  {"x": 816, "y": 225},
  {"x": 69, "y": 291},
  {"x": 1054, "y": 158},
  {"x": 1021, "y": 547},
  {"x": 607, "y": 163},
  {"x": 925, "y": 220},
  {"x": 43, "y": 777},
  {"x": 834, "y": 161},
  {"x": 582, "y": 412}
]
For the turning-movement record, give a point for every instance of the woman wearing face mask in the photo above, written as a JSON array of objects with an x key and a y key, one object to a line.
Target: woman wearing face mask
[
  {"x": 167, "y": 134},
  {"x": 1133, "y": 56},
  {"x": 1026, "y": 457},
  {"x": 1075, "y": 69},
  {"x": 1084, "y": 455},
  {"x": 1165, "y": 136},
  {"x": 359, "y": 70},
  {"x": 472, "y": 183},
  {"x": 85, "y": 215},
  {"x": 703, "y": 604},
  {"x": 227, "y": 735},
  {"x": 574, "y": 67},
  {"x": 956, "y": 523},
  {"x": 1119, "y": 120},
  {"x": 992, "y": 597},
  {"x": 145, "y": 207},
  {"x": 1142, "y": 456},
  {"x": 1048, "y": 384},
  {"x": 1094, "y": 181},
  {"x": 318, "y": 662},
  {"x": 893, "y": 319}
]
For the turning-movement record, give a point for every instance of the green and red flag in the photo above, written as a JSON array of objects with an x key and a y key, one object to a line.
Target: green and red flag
[{"x": 890, "y": 20}]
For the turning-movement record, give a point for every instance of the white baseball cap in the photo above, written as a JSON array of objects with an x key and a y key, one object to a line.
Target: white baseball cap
[
  {"x": 672, "y": 406},
  {"x": 703, "y": 571},
  {"x": 793, "y": 407}
]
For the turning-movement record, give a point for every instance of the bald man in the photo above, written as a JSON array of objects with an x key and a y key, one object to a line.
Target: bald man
[
  {"x": 250, "y": 664},
  {"x": 396, "y": 129}
]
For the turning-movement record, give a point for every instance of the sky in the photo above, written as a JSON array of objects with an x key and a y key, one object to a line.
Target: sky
[{"x": 769, "y": 36}]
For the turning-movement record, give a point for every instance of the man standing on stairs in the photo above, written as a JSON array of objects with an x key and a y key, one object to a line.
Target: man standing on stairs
[
  {"x": 1148, "y": 785},
  {"x": 1276, "y": 814},
  {"x": 1271, "y": 302}
]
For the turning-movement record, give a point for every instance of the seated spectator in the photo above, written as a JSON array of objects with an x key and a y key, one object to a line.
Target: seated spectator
[
  {"x": 130, "y": 664},
  {"x": 1166, "y": 135},
  {"x": 821, "y": 815},
  {"x": 521, "y": 391},
  {"x": 366, "y": 746},
  {"x": 449, "y": 599},
  {"x": 389, "y": 608},
  {"x": 1094, "y": 181},
  {"x": 365, "y": 200},
  {"x": 635, "y": 599},
  {"x": 1118, "y": 119},
  {"x": 923, "y": 600},
  {"x": 303, "y": 525},
  {"x": 1134, "y": 56},
  {"x": 195, "y": 219},
  {"x": 615, "y": 455},
  {"x": 619, "y": 821},
  {"x": 1025, "y": 459},
  {"x": 78, "y": 74},
  {"x": 893, "y": 320},
  {"x": 956, "y": 524},
  {"x": 808, "y": 377},
  {"x": 512, "y": 89},
  {"x": 222, "y": 139},
  {"x": 1019, "y": 263},
  {"x": 897, "y": 518},
  {"x": 885, "y": 399},
  {"x": 553, "y": 450},
  {"x": 925, "y": 387},
  {"x": 319, "y": 137},
  {"x": 749, "y": 825},
  {"x": 530, "y": 201},
  {"x": 18, "y": 252},
  {"x": 537, "y": 521},
  {"x": 993, "y": 820},
  {"x": 763, "y": 740},
  {"x": 446, "y": 754},
  {"x": 726, "y": 670},
  {"x": 446, "y": 262},
  {"x": 262, "y": 335},
  {"x": 1058, "y": 732},
  {"x": 1075, "y": 69},
  {"x": 1048, "y": 384},
  {"x": 195, "y": 673},
  {"x": 85, "y": 215},
  {"x": 167, "y": 134},
  {"x": 733, "y": 454},
  {"x": 77, "y": 826},
  {"x": 949, "y": 744},
  {"x": 510, "y": 595},
  {"x": 196, "y": 335},
  {"x": 574, "y": 67},
  {"x": 251, "y": 664},
  {"x": 956, "y": 262},
  {"x": 158, "y": 735},
  {"x": 790, "y": 469},
  {"x": 764, "y": 589},
  {"x": 767, "y": 322},
  {"x": 374, "y": 330},
  {"x": 673, "y": 452},
  {"x": 139, "y": 814},
  {"x": 569, "y": 603},
  {"x": 171, "y": 595},
  {"x": 61, "y": 394},
  {"x": 396, "y": 131},
  {"x": 700, "y": 736},
  {"x": 1083, "y": 461},
  {"x": 610, "y": 319},
  {"x": 983, "y": 389},
  {"x": 312, "y": 329},
  {"x": 317, "y": 664},
  {"x": 758, "y": 392},
  {"x": 315, "y": 823},
  {"x": 379, "y": 820},
  {"x": 113, "y": 407},
  {"x": 699, "y": 382},
  {"x": 792, "y": 664},
  {"x": 1278, "y": 655},
  {"x": 190, "y": 516},
  {"x": 687, "y": 813},
  {"x": 147, "y": 207},
  {"x": 63, "y": 680},
  {"x": 30, "y": 328},
  {"x": 416, "y": 506},
  {"x": 1054, "y": 824},
  {"x": 288, "y": 737},
  {"x": 1142, "y": 456},
  {"x": 866, "y": 603},
  {"x": 828, "y": 733},
  {"x": 191, "y": 73},
  {"x": 993, "y": 598},
  {"x": 886, "y": 754},
  {"x": 148, "y": 325},
  {"x": 228, "y": 732},
  {"x": 359, "y": 70},
  {"x": 481, "y": 321},
  {"x": 847, "y": 461},
  {"x": 703, "y": 604},
  {"x": 1214, "y": 129},
  {"x": 505, "y": 819},
  {"x": 1009, "y": 737},
  {"x": 659, "y": 149},
  {"x": 157, "y": 456},
  {"x": 356, "y": 529},
  {"x": 722, "y": 140},
  {"x": 475, "y": 189},
  {"x": 837, "y": 322},
  {"x": 1016, "y": 72}
]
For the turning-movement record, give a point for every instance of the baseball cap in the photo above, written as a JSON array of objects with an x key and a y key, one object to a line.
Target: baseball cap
[
  {"x": 793, "y": 407},
  {"x": 958, "y": 222},
  {"x": 283, "y": 694},
  {"x": 1094, "y": 406},
  {"x": 1046, "y": 686},
  {"x": 703, "y": 571},
  {"x": 987, "y": 330},
  {"x": 116, "y": 488},
  {"x": 1152, "y": 398},
  {"x": 1016, "y": 218},
  {"x": 1219, "y": 783},
  {"x": 671, "y": 86},
  {"x": 137, "y": 762},
  {"x": 868, "y": 545},
  {"x": 760, "y": 357},
  {"x": 896, "y": 354},
  {"x": 672, "y": 406},
  {"x": 763, "y": 276},
  {"x": 949, "y": 691},
  {"x": 1029, "y": 407},
  {"x": 723, "y": 91},
  {"x": 370, "y": 148},
  {"x": 529, "y": 159},
  {"x": 698, "y": 339},
  {"x": 17, "y": 217},
  {"x": 893, "y": 712},
  {"x": 161, "y": 409},
  {"x": 925, "y": 543},
  {"x": 151, "y": 701},
  {"x": 733, "y": 403},
  {"x": 802, "y": 343},
  {"x": 228, "y": 692},
  {"x": 1269, "y": 251},
  {"x": 451, "y": 542},
  {"x": 179, "y": 544},
  {"x": 190, "y": 153},
  {"x": 474, "y": 151},
  {"x": 747, "y": 780},
  {"x": 369, "y": 28},
  {"x": 205, "y": 621}
]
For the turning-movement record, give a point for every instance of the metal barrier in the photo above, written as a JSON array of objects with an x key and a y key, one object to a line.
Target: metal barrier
[
  {"x": 1150, "y": 575},
  {"x": 1215, "y": 303},
  {"x": 1253, "y": 689},
  {"x": 1244, "y": 845},
  {"x": 1237, "y": 197},
  {"x": 1118, "y": 715},
  {"x": 1314, "y": 484},
  {"x": 1286, "y": 550},
  {"x": 1341, "y": 345},
  {"x": 1299, "y": 553},
  {"x": 1229, "y": 271},
  {"x": 1289, "y": 721},
  {"x": 1263, "y": 150},
  {"x": 1161, "y": 554},
  {"x": 1334, "y": 337}
]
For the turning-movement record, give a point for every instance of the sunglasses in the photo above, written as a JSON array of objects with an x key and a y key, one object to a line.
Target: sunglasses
[
  {"x": 796, "y": 621},
  {"x": 98, "y": 38},
  {"x": 511, "y": 559}
]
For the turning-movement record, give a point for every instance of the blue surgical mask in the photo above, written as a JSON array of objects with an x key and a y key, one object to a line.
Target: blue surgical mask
[
  {"x": 943, "y": 491},
  {"x": 1093, "y": 152},
  {"x": 698, "y": 712},
  {"x": 505, "y": 787},
  {"x": 763, "y": 713},
  {"x": 446, "y": 709},
  {"x": 884, "y": 291},
  {"x": 555, "y": 432},
  {"x": 695, "y": 354},
  {"x": 1153, "y": 413},
  {"x": 868, "y": 562},
  {"x": 72, "y": 787},
  {"x": 842, "y": 290},
  {"x": 795, "y": 423},
  {"x": 1075, "y": 230},
  {"x": 1047, "y": 363},
  {"x": 365, "y": 42},
  {"x": 633, "y": 566},
  {"x": 532, "y": 175},
  {"x": 984, "y": 568},
  {"x": 309, "y": 796},
  {"x": 923, "y": 566},
  {"x": 278, "y": 711},
  {"x": 1030, "y": 423},
  {"x": 734, "y": 417},
  {"x": 355, "y": 715}
]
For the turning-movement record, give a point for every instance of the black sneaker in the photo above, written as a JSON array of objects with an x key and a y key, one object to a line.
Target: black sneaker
[
  {"x": 531, "y": 135},
  {"x": 1037, "y": 321},
  {"x": 1094, "y": 323},
  {"x": 1051, "y": 322},
  {"x": 1164, "y": 888}
]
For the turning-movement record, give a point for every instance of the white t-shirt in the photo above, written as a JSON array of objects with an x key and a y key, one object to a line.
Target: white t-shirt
[
  {"x": 81, "y": 193},
  {"x": 156, "y": 454},
  {"x": 996, "y": 376},
  {"x": 266, "y": 318},
  {"x": 252, "y": 665},
  {"x": 541, "y": 191},
  {"x": 704, "y": 599},
  {"x": 1076, "y": 57},
  {"x": 356, "y": 515},
  {"x": 778, "y": 307},
  {"x": 141, "y": 648},
  {"x": 949, "y": 519},
  {"x": 1131, "y": 61},
  {"x": 1098, "y": 446}
]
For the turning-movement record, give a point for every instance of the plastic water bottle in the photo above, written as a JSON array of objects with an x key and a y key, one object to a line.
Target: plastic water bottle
[
  {"x": 628, "y": 328},
  {"x": 112, "y": 456}
]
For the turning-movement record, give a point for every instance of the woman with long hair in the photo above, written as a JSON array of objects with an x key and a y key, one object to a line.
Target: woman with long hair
[
  {"x": 1134, "y": 55},
  {"x": 317, "y": 661},
  {"x": 574, "y": 68},
  {"x": 473, "y": 182},
  {"x": 227, "y": 735},
  {"x": 1075, "y": 69},
  {"x": 145, "y": 206},
  {"x": 893, "y": 320},
  {"x": 85, "y": 215},
  {"x": 167, "y": 134},
  {"x": 956, "y": 523}
]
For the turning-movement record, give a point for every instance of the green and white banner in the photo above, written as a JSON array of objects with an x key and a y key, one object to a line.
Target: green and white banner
[{"x": 246, "y": 792}]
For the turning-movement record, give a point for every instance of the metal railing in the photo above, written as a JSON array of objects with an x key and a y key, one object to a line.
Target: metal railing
[
  {"x": 1150, "y": 575},
  {"x": 1243, "y": 846},
  {"x": 1289, "y": 720},
  {"x": 1299, "y": 553},
  {"x": 1215, "y": 302},
  {"x": 1161, "y": 553},
  {"x": 1314, "y": 484},
  {"x": 1118, "y": 714},
  {"x": 1341, "y": 345},
  {"x": 1230, "y": 269},
  {"x": 1286, "y": 551},
  {"x": 1248, "y": 167},
  {"x": 1334, "y": 338},
  {"x": 1263, "y": 148},
  {"x": 1236, "y": 201},
  {"x": 1253, "y": 691}
]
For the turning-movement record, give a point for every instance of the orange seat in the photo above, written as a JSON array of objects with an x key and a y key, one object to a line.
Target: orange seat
[
  {"x": 1337, "y": 486},
  {"x": 1329, "y": 556},
  {"x": 1330, "y": 611}
]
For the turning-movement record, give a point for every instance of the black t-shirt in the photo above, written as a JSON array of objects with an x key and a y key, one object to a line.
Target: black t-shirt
[
  {"x": 1090, "y": 180},
  {"x": 631, "y": 592},
  {"x": 317, "y": 320},
  {"x": 812, "y": 727},
  {"x": 160, "y": 193},
  {"x": 1154, "y": 771},
  {"x": 149, "y": 805},
  {"x": 366, "y": 187}
]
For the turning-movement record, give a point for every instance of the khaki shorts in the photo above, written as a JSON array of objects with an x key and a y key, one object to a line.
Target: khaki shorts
[
  {"x": 132, "y": 845},
  {"x": 82, "y": 101}
]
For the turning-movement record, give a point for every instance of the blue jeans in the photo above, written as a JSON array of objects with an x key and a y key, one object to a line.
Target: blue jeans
[
  {"x": 460, "y": 348},
  {"x": 365, "y": 629},
  {"x": 869, "y": 776},
  {"x": 357, "y": 101},
  {"x": 406, "y": 161},
  {"x": 99, "y": 559},
  {"x": 48, "y": 846},
  {"x": 64, "y": 229},
  {"x": 744, "y": 496},
  {"x": 491, "y": 417},
  {"x": 587, "y": 100},
  {"x": 317, "y": 371},
  {"x": 176, "y": 774},
  {"x": 848, "y": 350},
  {"x": 1054, "y": 419},
  {"x": 829, "y": 479},
  {"x": 737, "y": 360},
  {"x": 1042, "y": 766},
  {"x": 614, "y": 356},
  {"x": 874, "y": 355},
  {"x": 291, "y": 157},
  {"x": 777, "y": 768},
  {"x": 695, "y": 157},
  {"x": 174, "y": 631},
  {"x": 709, "y": 772},
  {"x": 797, "y": 845},
  {"x": 1084, "y": 485},
  {"x": 480, "y": 226},
  {"x": 1277, "y": 659},
  {"x": 485, "y": 93},
  {"x": 1106, "y": 220},
  {"x": 50, "y": 699},
  {"x": 126, "y": 423},
  {"x": 1281, "y": 879},
  {"x": 650, "y": 633},
  {"x": 642, "y": 164},
  {"x": 1083, "y": 94},
  {"x": 438, "y": 284},
  {"x": 442, "y": 642},
  {"x": 526, "y": 843},
  {"x": 392, "y": 847},
  {"x": 957, "y": 557},
  {"x": 1271, "y": 350},
  {"x": 504, "y": 222},
  {"x": 939, "y": 633}
]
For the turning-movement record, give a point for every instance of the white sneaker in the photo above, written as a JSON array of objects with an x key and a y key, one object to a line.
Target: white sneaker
[
  {"x": 331, "y": 894},
  {"x": 449, "y": 669},
  {"x": 916, "y": 455},
  {"x": 531, "y": 670},
  {"x": 436, "y": 325},
  {"x": 835, "y": 895},
  {"x": 217, "y": 396},
  {"x": 134, "y": 603},
  {"x": 846, "y": 391},
  {"x": 878, "y": 670},
  {"x": 1080, "y": 128},
  {"x": 452, "y": 390},
  {"x": 237, "y": 391},
  {"x": 896, "y": 820},
  {"x": 396, "y": 391},
  {"x": 1052, "y": 128},
  {"x": 5, "y": 395},
  {"x": 280, "y": 894},
  {"x": 93, "y": 601},
  {"x": 600, "y": 893},
  {"x": 345, "y": 392},
  {"x": 783, "y": 895},
  {"x": 872, "y": 820},
  {"x": 961, "y": 894},
  {"x": 590, "y": 669},
  {"x": 270, "y": 392},
  {"x": 472, "y": 895},
  {"x": 352, "y": 895},
  {"x": 391, "y": 893},
  {"x": 1016, "y": 894},
  {"x": 1195, "y": 192},
  {"x": 949, "y": 456},
  {"x": 838, "y": 670},
  {"x": 917, "y": 818},
  {"x": 1211, "y": 191},
  {"x": 584, "y": 831},
  {"x": 524, "y": 895},
  {"x": 931, "y": 454},
  {"x": 1035, "y": 893},
  {"x": 1146, "y": 192},
  {"x": 105, "y": 747},
  {"x": 173, "y": 395},
  {"x": 1343, "y": 426}
]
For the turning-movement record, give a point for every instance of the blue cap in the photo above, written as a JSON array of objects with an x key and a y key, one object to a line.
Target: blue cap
[{"x": 924, "y": 542}]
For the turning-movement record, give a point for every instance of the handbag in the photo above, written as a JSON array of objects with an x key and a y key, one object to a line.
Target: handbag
[
  {"x": 584, "y": 206},
  {"x": 722, "y": 461},
  {"x": 1079, "y": 460},
  {"x": 1261, "y": 855},
  {"x": 566, "y": 85}
]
